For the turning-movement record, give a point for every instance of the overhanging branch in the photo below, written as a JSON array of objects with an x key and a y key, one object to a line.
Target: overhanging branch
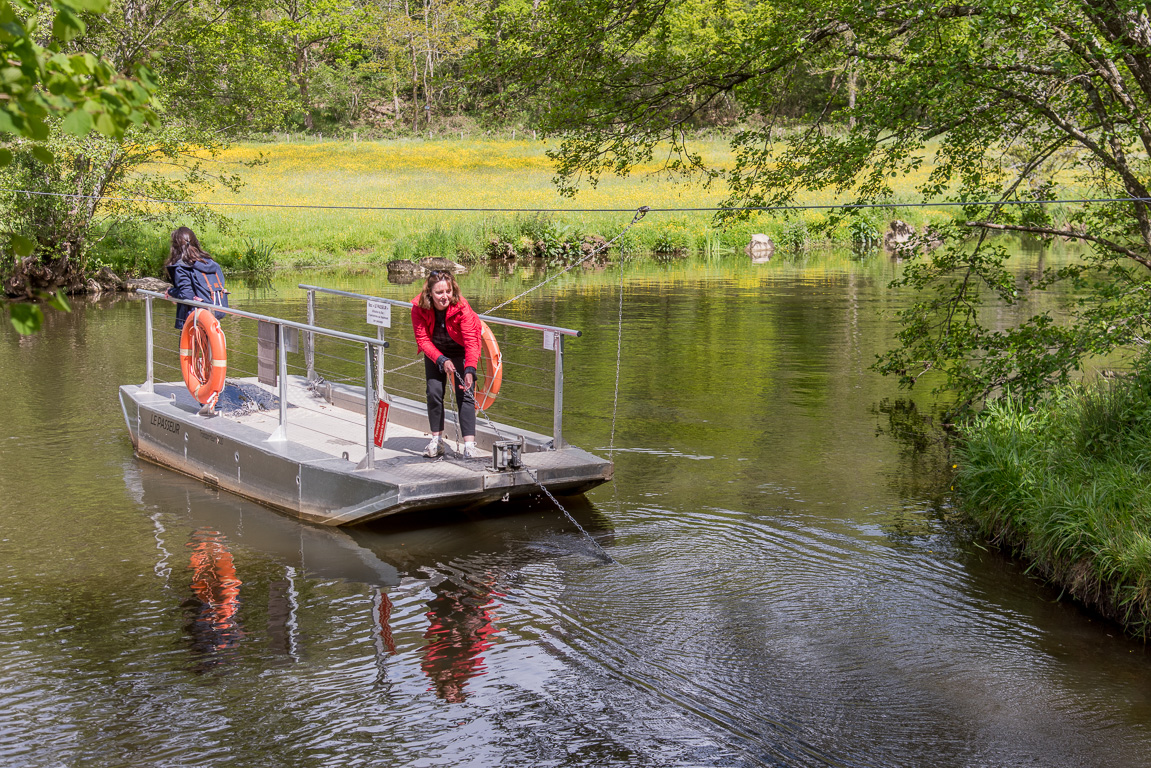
[{"x": 1068, "y": 233}]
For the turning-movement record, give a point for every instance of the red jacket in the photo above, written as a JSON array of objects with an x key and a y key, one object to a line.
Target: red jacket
[{"x": 463, "y": 326}]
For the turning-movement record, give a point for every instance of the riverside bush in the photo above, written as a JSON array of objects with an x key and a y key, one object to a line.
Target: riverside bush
[
  {"x": 1066, "y": 485},
  {"x": 258, "y": 257}
]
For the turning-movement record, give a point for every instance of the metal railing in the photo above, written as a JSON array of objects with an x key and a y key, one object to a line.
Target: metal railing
[
  {"x": 374, "y": 308},
  {"x": 309, "y": 331}
]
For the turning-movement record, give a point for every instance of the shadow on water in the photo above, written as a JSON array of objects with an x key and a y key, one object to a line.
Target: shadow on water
[
  {"x": 460, "y": 557},
  {"x": 379, "y": 554}
]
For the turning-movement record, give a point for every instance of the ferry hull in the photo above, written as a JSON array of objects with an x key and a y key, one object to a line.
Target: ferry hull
[{"x": 311, "y": 480}]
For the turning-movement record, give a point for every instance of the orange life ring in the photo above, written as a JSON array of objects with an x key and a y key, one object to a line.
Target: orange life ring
[
  {"x": 491, "y": 368},
  {"x": 203, "y": 356}
]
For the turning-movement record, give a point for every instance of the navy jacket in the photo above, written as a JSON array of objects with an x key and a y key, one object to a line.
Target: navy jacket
[{"x": 203, "y": 280}]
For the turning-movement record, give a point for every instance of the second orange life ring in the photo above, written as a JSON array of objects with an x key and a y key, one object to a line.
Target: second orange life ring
[
  {"x": 491, "y": 368},
  {"x": 203, "y": 356}
]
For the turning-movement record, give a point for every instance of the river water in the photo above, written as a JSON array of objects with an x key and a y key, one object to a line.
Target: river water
[{"x": 790, "y": 588}]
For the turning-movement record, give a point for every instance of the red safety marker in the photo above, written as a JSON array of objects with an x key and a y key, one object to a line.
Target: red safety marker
[{"x": 381, "y": 423}]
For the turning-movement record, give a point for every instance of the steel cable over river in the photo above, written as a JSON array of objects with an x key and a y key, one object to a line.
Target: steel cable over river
[{"x": 795, "y": 589}]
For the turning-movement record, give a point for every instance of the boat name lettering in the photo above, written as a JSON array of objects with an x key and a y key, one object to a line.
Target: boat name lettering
[
  {"x": 209, "y": 436},
  {"x": 165, "y": 423}
]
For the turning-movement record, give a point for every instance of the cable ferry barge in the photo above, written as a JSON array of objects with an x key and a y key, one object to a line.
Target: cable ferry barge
[{"x": 329, "y": 425}]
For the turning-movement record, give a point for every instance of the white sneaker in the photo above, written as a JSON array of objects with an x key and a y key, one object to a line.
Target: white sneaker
[
  {"x": 470, "y": 451},
  {"x": 435, "y": 448}
]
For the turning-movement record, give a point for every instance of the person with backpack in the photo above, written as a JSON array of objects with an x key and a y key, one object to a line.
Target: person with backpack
[{"x": 194, "y": 274}]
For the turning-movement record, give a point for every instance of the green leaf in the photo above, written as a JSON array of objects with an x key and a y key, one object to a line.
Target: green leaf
[
  {"x": 105, "y": 124},
  {"x": 67, "y": 25},
  {"x": 7, "y": 124},
  {"x": 78, "y": 64},
  {"x": 41, "y": 153},
  {"x": 26, "y": 318},
  {"x": 36, "y": 128},
  {"x": 78, "y": 122},
  {"x": 56, "y": 300},
  {"x": 21, "y": 245},
  {"x": 95, "y": 6},
  {"x": 5, "y": 157}
]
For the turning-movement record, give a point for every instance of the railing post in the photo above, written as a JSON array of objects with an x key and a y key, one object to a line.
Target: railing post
[
  {"x": 150, "y": 381},
  {"x": 369, "y": 459},
  {"x": 310, "y": 339},
  {"x": 380, "y": 359},
  {"x": 558, "y": 406},
  {"x": 281, "y": 433}
]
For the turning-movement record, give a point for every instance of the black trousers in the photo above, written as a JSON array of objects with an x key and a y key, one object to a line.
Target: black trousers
[{"x": 466, "y": 399}]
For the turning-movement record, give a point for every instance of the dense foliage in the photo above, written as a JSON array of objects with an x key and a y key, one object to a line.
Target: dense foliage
[
  {"x": 217, "y": 73},
  {"x": 1064, "y": 484},
  {"x": 44, "y": 84},
  {"x": 991, "y": 102}
]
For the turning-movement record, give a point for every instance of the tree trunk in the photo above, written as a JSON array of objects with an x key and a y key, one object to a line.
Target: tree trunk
[
  {"x": 852, "y": 83},
  {"x": 415, "y": 74}
]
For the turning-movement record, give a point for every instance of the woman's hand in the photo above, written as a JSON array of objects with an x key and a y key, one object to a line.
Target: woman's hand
[
  {"x": 468, "y": 381},
  {"x": 450, "y": 370}
]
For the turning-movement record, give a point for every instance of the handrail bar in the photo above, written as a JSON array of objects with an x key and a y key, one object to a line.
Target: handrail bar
[
  {"x": 408, "y": 304},
  {"x": 268, "y": 318},
  {"x": 280, "y": 434}
]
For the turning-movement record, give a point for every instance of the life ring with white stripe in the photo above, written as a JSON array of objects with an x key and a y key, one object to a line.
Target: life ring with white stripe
[
  {"x": 203, "y": 356},
  {"x": 491, "y": 368}
]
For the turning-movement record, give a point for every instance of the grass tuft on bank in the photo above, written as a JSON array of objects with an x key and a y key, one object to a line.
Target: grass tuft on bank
[{"x": 1067, "y": 485}]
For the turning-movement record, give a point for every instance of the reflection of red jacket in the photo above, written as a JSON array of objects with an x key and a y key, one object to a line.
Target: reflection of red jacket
[
  {"x": 460, "y": 629},
  {"x": 463, "y": 326},
  {"x": 214, "y": 582}
]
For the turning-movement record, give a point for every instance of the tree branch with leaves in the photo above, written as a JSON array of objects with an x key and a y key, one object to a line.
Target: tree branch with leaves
[{"x": 1004, "y": 102}]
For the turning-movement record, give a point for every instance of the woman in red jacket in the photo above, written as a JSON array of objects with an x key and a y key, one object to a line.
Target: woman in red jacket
[{"x": 447, "y": 332}]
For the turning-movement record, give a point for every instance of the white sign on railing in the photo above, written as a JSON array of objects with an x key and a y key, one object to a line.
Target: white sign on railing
[
  {"x": 550, "y": 340},
  {"x": 379, "y": 313}
]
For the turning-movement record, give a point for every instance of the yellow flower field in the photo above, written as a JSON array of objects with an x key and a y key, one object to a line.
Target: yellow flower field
[{"x": 395, "y": 177}]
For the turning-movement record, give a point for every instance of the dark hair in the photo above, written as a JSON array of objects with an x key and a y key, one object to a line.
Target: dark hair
[
  {"x": 185, "y": 248},
  {"x": 436, "y": 276}
]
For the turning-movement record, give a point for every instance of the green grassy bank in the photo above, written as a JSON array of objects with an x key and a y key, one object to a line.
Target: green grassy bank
[
  {"x": 1067, "y": 486},
  {"x": 467, "y": 174}
]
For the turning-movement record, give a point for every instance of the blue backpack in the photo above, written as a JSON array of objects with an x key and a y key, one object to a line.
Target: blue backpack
[
  {"x": 208, "y": 283},
  {"x": 209, "y": 286}
]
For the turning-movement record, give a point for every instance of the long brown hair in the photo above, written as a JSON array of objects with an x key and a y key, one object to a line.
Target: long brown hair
[
  {"x": 436, "y": 276},
  {"x": 185, "y": 248}
]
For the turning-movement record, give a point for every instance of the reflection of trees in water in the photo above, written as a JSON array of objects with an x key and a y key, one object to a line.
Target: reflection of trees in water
[
  {"x": 460, "y": 626},
  {"x": 923, "y": 473},
  {"x": 211, "y": 613}
]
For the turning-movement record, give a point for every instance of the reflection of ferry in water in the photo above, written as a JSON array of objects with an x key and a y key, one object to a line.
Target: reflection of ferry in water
[
  {"x": 207, "y": 539},
  {"x": 342, "y": 446}
]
